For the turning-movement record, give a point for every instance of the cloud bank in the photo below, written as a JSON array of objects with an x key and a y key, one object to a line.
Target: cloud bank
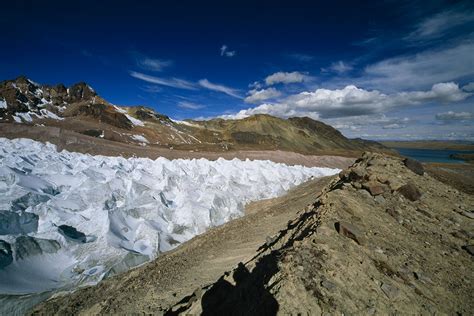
[{"x": 353, "y": 101}]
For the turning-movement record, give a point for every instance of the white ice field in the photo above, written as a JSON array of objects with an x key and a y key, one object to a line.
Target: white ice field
[{"x": 69, "y": 219}]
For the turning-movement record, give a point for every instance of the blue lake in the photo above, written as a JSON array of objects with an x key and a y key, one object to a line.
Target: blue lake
[{"x": 432, "y": 155}]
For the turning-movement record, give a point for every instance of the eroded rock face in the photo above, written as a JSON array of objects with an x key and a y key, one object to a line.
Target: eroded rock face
[{"x": 6, "y": 256}]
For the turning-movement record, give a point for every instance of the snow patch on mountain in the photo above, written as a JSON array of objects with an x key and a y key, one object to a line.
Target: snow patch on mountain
[{"x": 92, "y": 216}]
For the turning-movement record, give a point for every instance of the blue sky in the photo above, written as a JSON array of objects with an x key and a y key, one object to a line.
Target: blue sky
[{"x": 381, "y": 70}]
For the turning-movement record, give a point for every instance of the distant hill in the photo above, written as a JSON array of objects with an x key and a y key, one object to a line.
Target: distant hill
[{"x": 80, "y": 109}]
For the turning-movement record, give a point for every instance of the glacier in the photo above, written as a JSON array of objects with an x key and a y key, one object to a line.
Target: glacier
[{"x": 69, "y": 219}]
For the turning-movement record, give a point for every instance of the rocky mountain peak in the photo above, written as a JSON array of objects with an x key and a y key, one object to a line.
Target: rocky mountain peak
[
  {"x": 22, "y": 98},
  {"x": 81, "y": 91}
]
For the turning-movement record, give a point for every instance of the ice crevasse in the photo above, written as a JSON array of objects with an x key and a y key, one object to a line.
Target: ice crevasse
[{"x": 69, "y": 219}]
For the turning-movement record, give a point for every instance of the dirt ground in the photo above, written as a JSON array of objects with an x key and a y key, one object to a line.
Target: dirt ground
[{"x": 459, "y": 176}]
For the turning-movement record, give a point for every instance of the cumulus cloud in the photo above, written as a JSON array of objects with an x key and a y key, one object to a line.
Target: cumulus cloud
[
  {"x": 257, "y": 96},
  {"x": 226, "y": 52},
  {"x": 354, "y": 101},
  {"x": 455, "y": 116},
  {"x": 255, "y": 85},
  {"x": 219, "y": 88},
  {"x": 286, "y": 77},
  {"x": 169, "y": 82},
  {"x": 339, "y": 67},
  {"x": 421, "y": 70},
  {"x": 469, "y": 87},
  {"x": 190, "y": 105}
]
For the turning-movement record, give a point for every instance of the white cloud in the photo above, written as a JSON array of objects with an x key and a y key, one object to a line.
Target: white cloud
[
  {"x": 190, "y": 105},
  {"x": 469, "y": 87},
  {"x": 439, "y": 24},
  {"x": 338, "y": 67},
  {"x": 393, "y": 126},
  {"x": 421, "y": 70},
  {"x": 455, "y": 116},
  {"x": 257, "y": 96},
  {"x": 153, "y": 64},
  {"x": 226, "y": 52},
  {"x": 169, "y": 82},
  {"x": 152, "y": 88},
  {"x": 286, "y": 77},
  {"x": 255, "y": 85},
  {"x": 219, "y": 88},
  {"x": 300, "y": 57},
  {"x": 353, "y": 101}
]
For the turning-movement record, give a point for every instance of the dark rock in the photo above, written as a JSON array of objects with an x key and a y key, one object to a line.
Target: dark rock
[
  {"x": 379, "y": 199},
  {"x": 357, "y": 173},
  {"x": 469, "y": 249},
  {"x": 72, "y": 233},
  {"x": 395, "y": 214},
  {"x": 390, "y": 291},
  {"x": 81, "y": 91},
  {"x": 328, "y": 285},
  {"x": 6, "y": 256},
  {"x": 424, "y": 211},
  {"x": 374, "y": 188},
  {"x": 350, "y": 231},
  {"x": 93, "y": 132},
  {"x": 26, "y": 246},
  {"x": 410, "y": 191},
  {"x": 414, "y": 165},
  {"x": 12, "y": 223}
]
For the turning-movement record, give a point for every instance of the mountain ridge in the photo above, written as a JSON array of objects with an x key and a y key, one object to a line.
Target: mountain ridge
[{"x": 80, "y": 109}]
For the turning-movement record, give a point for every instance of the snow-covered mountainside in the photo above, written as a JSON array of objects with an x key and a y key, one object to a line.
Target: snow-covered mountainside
[{"x": 70, "y": 219}]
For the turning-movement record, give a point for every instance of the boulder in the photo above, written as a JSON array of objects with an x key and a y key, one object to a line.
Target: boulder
[
  {"x": 469, "y": 249},
  {"x": 410, "y": 191},
  {"x": 390, "y": 291},
  {"x": 468, "y": 214},
  {"x": 350, "y": 231},
  {"x": 414, "y": 165},
  {"x": 375, "y": 188},
  {"x": 6, "y": 256}
]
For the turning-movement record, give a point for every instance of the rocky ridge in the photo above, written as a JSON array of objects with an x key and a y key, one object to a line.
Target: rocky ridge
[{"x": 383, "y": 238}]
